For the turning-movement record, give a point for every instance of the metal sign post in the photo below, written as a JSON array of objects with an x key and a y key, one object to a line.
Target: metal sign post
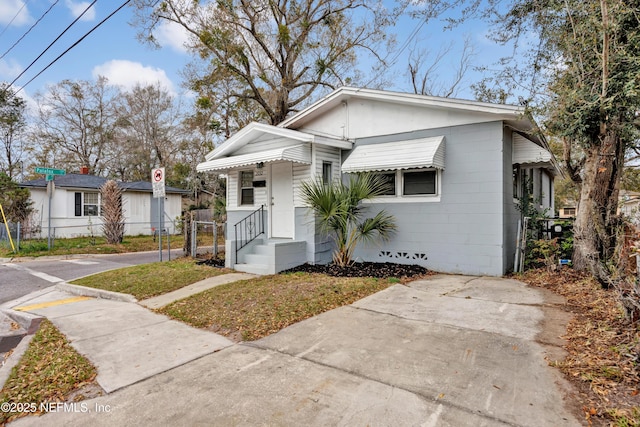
[
  {"x": 157, "y": 183},
  {"x": 50, "y": 188},
  {"x": 50, "y": 175}
]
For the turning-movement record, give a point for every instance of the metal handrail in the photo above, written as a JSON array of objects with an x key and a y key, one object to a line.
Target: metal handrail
[{"x": 248, "y": 229}]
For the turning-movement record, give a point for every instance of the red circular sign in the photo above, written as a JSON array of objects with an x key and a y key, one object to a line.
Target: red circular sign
[{"x": 157, "y": 175}]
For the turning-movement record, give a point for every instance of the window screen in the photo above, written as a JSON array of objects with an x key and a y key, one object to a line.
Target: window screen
[
  {"x": 390, "y": 178},
  {"x": 420, "y": 182},
  {"x": 326, "y": 172}
]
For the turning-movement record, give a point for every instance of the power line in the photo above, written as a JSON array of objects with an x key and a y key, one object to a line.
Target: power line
[
  {"x": 30, "y": 28},
  {"x": 72, "y": 46},
  {"x": 14, "y": 17},
  {"x": 53, "y": 42},
  {"x": 399, "y": 52}
]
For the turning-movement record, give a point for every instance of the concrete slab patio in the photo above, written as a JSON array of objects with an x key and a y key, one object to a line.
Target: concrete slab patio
[{"x": 433, "y": 353}]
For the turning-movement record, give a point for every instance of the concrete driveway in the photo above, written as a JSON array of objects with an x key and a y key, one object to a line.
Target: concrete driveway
[{"x": 446, "y": 351}]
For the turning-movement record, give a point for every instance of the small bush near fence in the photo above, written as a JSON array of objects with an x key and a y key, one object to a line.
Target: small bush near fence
[{"x": 545, "y": 249}]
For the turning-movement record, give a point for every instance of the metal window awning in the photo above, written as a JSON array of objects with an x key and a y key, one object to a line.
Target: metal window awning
[
  {"x": 298, "y": 153},
  {"x": 414, "y": 153},
  {"x": 526, "y": 152}
]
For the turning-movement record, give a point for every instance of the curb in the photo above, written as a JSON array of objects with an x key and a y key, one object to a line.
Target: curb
[
  {"x": 29, "y": 322},
  {"x": 13, "y": 359},
  {"x": 96, "y": 293}
]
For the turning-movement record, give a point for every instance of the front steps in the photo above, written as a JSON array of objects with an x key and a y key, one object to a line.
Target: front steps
[{"x": 271, "y": 256}]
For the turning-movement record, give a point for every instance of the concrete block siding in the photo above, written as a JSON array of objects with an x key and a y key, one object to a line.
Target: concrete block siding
[{"x": 463, "y": 231}]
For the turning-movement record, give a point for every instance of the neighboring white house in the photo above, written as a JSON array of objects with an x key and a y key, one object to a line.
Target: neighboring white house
[
  {"x": 458, "y": 166},
  {"x": 76, "y": 200},
  {"x": 630, "y": 206}
]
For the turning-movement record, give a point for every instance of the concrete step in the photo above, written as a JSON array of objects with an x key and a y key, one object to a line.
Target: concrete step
[
  {"x": 261, "y": 250},
  {"x": 260, "y": 269},
  {"x": 256, "y": 259}
]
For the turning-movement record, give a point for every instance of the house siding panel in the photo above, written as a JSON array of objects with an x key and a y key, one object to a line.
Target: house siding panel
[
  {"x": 463, "y": 233},
  {"x": 301, "y": 173},
  {"x": 264, "y": 145},
  {"x": 360, "y": 118}
]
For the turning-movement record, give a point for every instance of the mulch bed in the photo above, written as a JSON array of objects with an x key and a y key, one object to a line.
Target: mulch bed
[
  {"x": 212, "y": 262},
  {"x": 380, "y": 270}
]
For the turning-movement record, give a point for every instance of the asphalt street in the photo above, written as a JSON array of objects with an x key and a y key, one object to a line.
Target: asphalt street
[{"x": 20, "y": 277}]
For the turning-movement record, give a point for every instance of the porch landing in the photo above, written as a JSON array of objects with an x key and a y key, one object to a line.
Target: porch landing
[{"x": 271, "y": 256}]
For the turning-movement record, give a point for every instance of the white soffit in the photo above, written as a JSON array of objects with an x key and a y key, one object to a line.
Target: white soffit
[
  {"x": 298, "y": 153},
  {"x": 526, "y": 152},
  {"x": 414, "y": 153}
]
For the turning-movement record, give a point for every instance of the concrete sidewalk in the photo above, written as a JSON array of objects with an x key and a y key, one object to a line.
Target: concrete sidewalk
[
  {"x": 126, "y": 342},
  {"x": 446, "y": 351},
  {"x": 201, "y": 286}
]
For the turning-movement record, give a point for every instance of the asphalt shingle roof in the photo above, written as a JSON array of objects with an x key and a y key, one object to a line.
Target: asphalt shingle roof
[{"x": 76, "y": 180}]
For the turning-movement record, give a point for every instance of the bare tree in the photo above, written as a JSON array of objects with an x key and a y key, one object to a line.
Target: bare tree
[
  {"x": 424, "y": 70},
  {"x": 148, "y": 132},
  {"x": 279, "y": 53},
  {"x": 76, "y": 121}
]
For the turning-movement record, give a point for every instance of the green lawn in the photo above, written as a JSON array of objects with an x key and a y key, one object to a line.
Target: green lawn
[
  {"x": 255, "y": 308},
  {"x": 148, "y": 280}
]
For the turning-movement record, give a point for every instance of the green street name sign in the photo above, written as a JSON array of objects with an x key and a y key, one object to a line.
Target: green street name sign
[{"x": 51, "y": 171}]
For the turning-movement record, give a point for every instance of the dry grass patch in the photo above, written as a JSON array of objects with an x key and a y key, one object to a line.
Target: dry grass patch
[
  {"x": 255, "y": 308},
  {"x": 149, "y": 280},
  {"x": 603, "y": 347},
  {"x": 50, "y": 371}
]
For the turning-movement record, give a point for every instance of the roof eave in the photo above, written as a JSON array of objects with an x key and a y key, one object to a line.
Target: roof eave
[
  {"x": 252, "y": 131},
  {"x": 502, "y": 111}
]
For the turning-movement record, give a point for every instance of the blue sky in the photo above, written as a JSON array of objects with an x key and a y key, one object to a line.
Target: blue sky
[{"x": 114, "y": 52}]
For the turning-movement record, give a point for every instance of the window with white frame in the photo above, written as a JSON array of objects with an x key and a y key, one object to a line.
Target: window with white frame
[
  {"x": 87, "y": 204},
  {"x": 416, "y": 182},
  {"x": 246, "y": 187}
]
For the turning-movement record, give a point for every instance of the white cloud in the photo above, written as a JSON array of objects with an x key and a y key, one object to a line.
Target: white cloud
[
  {"x": 77, "y": 8},
  {"x": 128, "y": 73},
  {"x": 9, "y": 69},
  {"x": 14, "y": 8},
  {"x": 172, "y": 35}
]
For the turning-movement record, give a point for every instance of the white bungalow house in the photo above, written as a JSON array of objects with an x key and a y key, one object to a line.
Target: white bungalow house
[
  {"x": 458, "y": 166},
  {"x": 76, "y": 201}
]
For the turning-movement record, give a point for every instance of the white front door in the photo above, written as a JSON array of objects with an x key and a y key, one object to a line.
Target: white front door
[{"x": 282, "y": 213}]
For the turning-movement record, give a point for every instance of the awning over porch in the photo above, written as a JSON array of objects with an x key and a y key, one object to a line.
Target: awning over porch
[
  {"x": 414, "y": 153},
  {"x": 297, "y": 153}
]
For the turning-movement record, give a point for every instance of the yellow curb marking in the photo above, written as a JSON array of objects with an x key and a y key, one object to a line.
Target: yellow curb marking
[{"x": 51, "y": 303}]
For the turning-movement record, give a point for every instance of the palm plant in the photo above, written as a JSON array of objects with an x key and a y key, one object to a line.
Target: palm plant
[{"x": 340, "y": 212}]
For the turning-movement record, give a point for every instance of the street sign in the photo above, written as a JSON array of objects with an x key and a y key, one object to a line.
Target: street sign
[
  {"x": 157, "y": 182},
  {"x": 50, "y": 177},
  {"x": 157, "y": 175},
  {"x": 51, "y": 171}
]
